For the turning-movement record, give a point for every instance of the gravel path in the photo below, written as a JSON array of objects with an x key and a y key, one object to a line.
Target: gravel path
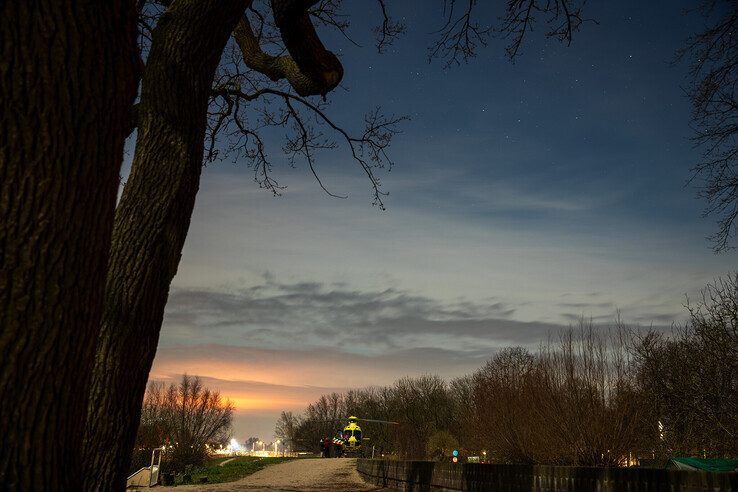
[{"x": 302, "y": 474}]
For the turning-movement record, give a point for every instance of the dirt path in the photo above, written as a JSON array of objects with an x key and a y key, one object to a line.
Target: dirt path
[{"x": 303, "y": 474}]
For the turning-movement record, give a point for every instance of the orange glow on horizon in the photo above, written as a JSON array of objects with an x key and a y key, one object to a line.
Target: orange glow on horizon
[
  {"x": 253, "y": 382},
  {"x": 244, "y": 403}
]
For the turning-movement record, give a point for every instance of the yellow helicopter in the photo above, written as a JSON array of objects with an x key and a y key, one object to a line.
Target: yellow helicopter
[{"x": 351, "y": 437}]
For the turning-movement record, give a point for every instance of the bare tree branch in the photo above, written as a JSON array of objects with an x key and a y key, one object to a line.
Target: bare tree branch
[
  {"x": 714, "y": 69},
  {"x": 369, "y": 149},
  {"x": 322, "y": 67},
  {"x": 304, "y": 142},
  {"x": 563, "y": 16},
  {"x": 462, "y": 35},
  {"x": 328, "y": 13},
  {"x": 277, "y": 67},
  {"x": 388, "y": 31}
]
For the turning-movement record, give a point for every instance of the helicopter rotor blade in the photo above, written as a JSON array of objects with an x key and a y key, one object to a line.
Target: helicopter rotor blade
[
  {"x": 380, "y": 421},
  {"x": 340, "y": 419}
]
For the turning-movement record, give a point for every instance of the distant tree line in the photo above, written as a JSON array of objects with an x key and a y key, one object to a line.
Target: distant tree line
[{"x": 594, "y": 395}]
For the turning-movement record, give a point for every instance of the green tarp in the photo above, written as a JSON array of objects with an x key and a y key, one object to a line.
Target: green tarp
[{"x": 706, "y": 464}]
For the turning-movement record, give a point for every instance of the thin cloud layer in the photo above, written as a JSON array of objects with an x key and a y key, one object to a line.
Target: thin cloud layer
[{"x": 314, "y": 314}]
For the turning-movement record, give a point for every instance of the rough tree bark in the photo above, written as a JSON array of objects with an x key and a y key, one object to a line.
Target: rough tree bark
[
  {"x": 151, "y": 224},
  {"x": 304, "y": 45},
  {"x": 67, "y": 82},
  {"x": 309, "y": 68}
]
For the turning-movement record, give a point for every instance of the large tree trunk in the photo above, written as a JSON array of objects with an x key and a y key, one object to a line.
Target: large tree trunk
[
  {"x": 151, "y": 224},
  {"x": 67, "y": 83}
]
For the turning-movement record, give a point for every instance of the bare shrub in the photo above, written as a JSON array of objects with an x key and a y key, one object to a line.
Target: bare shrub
[
  {"x": 574, "y": 402},
  {"x": 589, "y": 399},
  {"x": 186, "y": 417}
]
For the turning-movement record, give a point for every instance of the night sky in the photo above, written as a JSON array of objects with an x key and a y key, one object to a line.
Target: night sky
[{"x": 524, "y": 196}]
